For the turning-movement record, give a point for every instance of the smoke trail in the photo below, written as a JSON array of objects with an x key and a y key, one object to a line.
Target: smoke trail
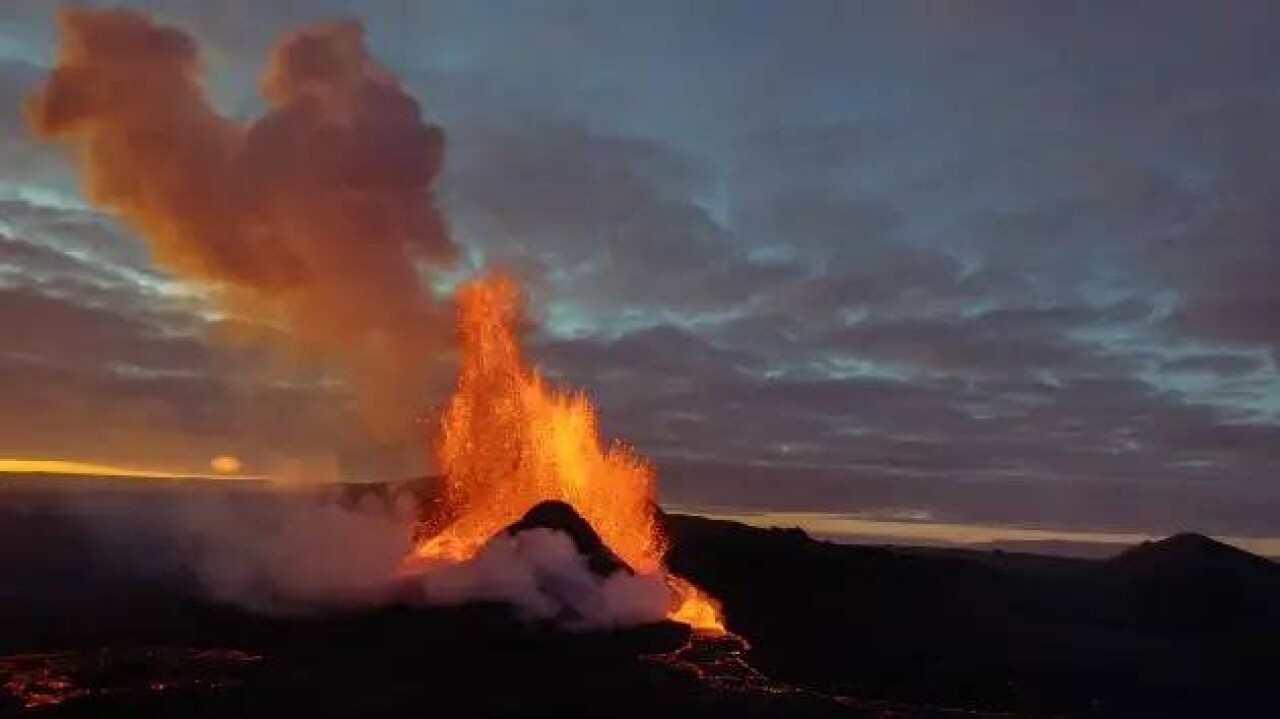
[{"x": 315, "y": 217}]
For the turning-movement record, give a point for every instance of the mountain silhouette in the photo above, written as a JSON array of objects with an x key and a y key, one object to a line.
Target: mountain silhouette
[
  {"x": 1194, "y": 557},
  {"x": 1189, "y": 583}
]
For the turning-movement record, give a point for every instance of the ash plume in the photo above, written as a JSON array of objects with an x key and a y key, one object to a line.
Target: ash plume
[{"x": 316, "y": 217}]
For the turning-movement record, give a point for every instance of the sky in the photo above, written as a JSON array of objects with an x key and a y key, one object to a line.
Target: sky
[{"x": 999, "y": 263}]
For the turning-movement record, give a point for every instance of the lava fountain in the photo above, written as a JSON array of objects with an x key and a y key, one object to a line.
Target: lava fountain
[{"x": 508, "y": 440}]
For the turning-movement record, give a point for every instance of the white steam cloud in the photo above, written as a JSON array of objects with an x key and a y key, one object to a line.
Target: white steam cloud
[
  {"x": 541, "y": 572},
  {"x": 290, "y": 552}
]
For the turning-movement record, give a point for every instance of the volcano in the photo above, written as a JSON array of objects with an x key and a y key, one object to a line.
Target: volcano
[
  {"x": 552, "y": 566},
  {"x": 560, "y": 516},
  {"x": 516, "y": 452}
]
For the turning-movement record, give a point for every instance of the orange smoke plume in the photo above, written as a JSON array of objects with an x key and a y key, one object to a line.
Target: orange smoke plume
[
  {"x": 314, "y": 217},
  {"x": 317, "y": 217}
]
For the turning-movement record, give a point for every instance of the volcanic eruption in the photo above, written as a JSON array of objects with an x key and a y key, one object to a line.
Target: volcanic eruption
[
  {"x": 508, "y": 441},
  {"x": 318, "y": 218}
]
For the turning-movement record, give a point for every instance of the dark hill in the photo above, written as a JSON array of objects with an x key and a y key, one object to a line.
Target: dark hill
[
  {"x": 1194, "y": 557},
  {"x": 1185, "y": 627},
  {"x": 1189, "y": 583}
]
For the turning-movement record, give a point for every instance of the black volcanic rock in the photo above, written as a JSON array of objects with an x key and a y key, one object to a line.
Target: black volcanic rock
[{"x": 561, "y": 517}]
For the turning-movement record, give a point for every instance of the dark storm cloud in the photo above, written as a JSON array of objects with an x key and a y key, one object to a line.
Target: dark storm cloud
[
  {"x": 1070, "y": 457},
  {"x": 1226, "y": 263},
  {"x": 68, "y": 252},
  {"x": 1204, "y": 507},
  {"x": 1001, "y": 342},
  {"x": 61, "y": 331},
  {"x": 949, "y": 447},
  {"x": 592, "y": 213}
]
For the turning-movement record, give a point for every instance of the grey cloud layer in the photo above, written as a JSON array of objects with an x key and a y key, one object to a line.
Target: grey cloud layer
[{"x": 996, "y": 261}]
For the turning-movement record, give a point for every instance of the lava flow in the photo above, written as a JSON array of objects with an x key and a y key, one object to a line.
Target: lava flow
[{"x": 508, "y": 440}]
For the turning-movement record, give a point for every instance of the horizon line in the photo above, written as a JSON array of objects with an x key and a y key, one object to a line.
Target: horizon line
[{"x": 843, "y": 526}]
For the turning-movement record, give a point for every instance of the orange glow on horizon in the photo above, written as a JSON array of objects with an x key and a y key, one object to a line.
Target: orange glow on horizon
[
  {"x": 863, "y": 530},
  {"x": 77, "y": 468}
]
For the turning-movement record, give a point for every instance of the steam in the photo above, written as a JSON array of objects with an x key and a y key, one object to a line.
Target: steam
[
  {"x": 314, "y": 218},
  {"x": 291, "y": 552},
  {"x": 540, "y": 572},
  {"x": 275, "y": 552},
  {"x": 284, "y": 556}
]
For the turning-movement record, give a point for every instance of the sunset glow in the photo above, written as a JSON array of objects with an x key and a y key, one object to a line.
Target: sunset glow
[
  {"x": 225, "y": 464},
  {"x": 93, "y": 469},
  {"x": 863, "y": 530}
]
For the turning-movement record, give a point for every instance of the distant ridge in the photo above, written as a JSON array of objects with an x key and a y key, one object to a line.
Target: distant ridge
[
  {"x": 1189, "y": 554},
  {"x": 1193, "y": 584}
]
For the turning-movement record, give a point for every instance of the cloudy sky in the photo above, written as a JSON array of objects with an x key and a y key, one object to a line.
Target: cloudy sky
[{"x": 1001, "y": 263}]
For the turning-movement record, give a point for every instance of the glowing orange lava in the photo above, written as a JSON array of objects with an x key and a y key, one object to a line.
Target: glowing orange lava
[
  {"x": 694, "y": 607},
  {"x": 508, "y": 440}
]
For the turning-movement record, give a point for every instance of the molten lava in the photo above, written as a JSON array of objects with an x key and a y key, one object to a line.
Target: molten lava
[{"x": 508, "y": 441}]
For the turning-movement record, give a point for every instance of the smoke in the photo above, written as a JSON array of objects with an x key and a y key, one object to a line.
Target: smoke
[
  {"x": 288, "y": 556},
  {"x": 290, "y": 552},
  {"x": 316, "y": 217},
  {"x": 283, "y": 556},
  {"x": 271, "y": 552},
  {"x": 540, "y": 572}
]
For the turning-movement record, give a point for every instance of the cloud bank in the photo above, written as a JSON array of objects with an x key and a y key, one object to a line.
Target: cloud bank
[{"x": 995, "y": 262}]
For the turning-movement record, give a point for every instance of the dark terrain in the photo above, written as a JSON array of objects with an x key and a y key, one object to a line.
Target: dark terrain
[{"x": 1185, "y": 627}]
